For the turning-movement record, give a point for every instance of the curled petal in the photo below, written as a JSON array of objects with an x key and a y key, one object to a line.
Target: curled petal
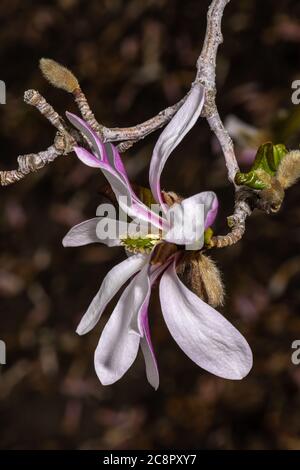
[
  {"x": 115, "y": 160},
  {"x": 87, "y": 157},
  {"x": 107, "y": 158},
  {"x": 205, "y": 336},
  {"x": 104, "y": 152},
  {"x": 211, "y": 206},
  {"x": 126, "y": 198},
  {"x": 173, "y": 134},
  {"x": 190, "y": 218},
  {"x": 93, "y": 139}
]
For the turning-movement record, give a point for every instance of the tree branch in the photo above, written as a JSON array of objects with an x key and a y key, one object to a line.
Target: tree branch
[
  {"x": 140, "y": 131},
  {"x": 206, "y": 75},
  {"x": 29, "y": 164},
  {"x": 66, "y": 138},
  {"x": 63, "y": 142},
  {"x": 237, "y": 222},
  {"x": 130, "y": 135}
]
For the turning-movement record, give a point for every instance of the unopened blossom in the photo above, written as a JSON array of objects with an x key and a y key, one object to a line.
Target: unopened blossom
[{"x": 201, "y": 332}]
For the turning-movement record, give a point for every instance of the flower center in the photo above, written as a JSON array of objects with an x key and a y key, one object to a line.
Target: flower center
[{"x": 140, "y": 244}]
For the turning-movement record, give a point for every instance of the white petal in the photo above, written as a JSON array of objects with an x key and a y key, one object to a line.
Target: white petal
[
  {"x": 202, "y": 333},
  {"x": 189, "y": 219},
  {"x": 111, "y": 284},
  {"x": 118, "y": 348},
  {"x": 86, "y": 233},
  {"x": 173, "y": 134}
]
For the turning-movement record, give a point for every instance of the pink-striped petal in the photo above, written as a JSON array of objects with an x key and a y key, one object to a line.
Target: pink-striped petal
[
  {"x": 152, "y": 372},
  {"x": 126, "y": 198},
  {"x": 115, "y": 160},
  {"x": 118, "y": 348},
  {"x": 104, "y": 152},
  {"x": 87, "y": 157},
  {"x": 140, "y": 326},
  {"x": 93, "y": 139}
]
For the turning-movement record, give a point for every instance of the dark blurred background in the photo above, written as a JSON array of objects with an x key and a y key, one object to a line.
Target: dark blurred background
[{"x": 134, "y": 58}]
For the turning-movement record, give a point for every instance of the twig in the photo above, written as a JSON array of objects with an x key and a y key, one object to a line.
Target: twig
[
  {"x": 34, "y": 98},
  {"x": 63, "y": 142},
  {"x": 226, "y": 143},
  {"x": 237, "y": 222},
  {"x": 29, "y": 164},
  {"x": 87, "y": 113},
  {"x": 63, "y": 145},
  {"x": 206, "y": 64},
  {"x": 206, "y": 75},
  {"x": 65, "y": 139},
  {"x": 140, "y": 131}
]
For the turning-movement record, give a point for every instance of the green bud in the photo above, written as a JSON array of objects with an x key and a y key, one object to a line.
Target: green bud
[
  {"x": 250, "y": 179},
  {"x": 265, "y": 166}
]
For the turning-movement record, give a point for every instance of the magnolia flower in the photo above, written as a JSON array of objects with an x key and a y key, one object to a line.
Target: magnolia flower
[{"x": 201, "y": 332}]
